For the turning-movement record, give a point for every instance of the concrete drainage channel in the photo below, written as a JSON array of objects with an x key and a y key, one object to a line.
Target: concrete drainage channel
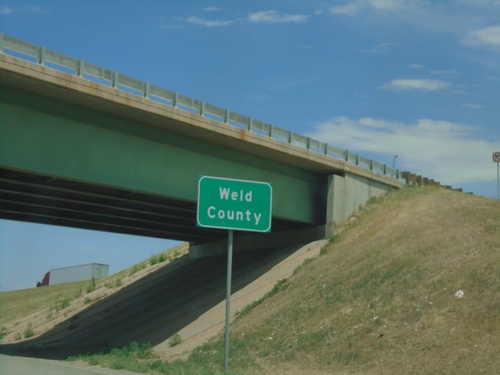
[{"x": 212, "y": 321}]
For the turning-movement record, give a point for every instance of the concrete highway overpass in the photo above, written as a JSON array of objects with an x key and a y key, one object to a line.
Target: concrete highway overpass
[{"x": 82, "y": 146}]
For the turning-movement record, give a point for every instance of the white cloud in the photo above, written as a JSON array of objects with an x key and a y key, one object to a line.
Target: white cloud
[
  {"x": 392, "y": 4},
  {"x": 472, "y": 105},
  {"x": 273, "y": 16},
  {"x": 379, "y": 48},
  {"x": 441, "y": 150},
  {"x": 211, "y": 9},
  {"x": 34, "y": 8},
  {"x": 480, "y": 2},
  {"x": 207, "y": 23},
  {"x": 489, "y": 36},
  {"x": 345, "y": 9},
  {"x": 355, "y": 6},
  {"x": 5, "y": 10},
  {"x": 416, "y": 84},
  {"x": 449, "y": 73}
]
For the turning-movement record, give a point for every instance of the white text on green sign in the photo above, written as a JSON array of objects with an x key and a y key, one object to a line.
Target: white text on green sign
[{"x": 234, "y": 204}]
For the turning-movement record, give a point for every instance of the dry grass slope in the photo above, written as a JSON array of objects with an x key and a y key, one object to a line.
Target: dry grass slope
[
  {"x": 28, "y": 313},
  {"x": 381, "y": 298}
]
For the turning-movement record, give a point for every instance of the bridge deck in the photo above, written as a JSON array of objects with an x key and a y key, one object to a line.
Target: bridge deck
[{"x": 36, "y": 186}]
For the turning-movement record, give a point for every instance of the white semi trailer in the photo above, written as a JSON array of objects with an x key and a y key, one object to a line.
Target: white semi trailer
[{"x": 75, "y": 273}]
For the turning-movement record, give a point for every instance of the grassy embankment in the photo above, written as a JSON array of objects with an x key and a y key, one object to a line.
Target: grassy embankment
[
  {"x": 29, "y": 312},
  {"x": 380, "y": 299}
]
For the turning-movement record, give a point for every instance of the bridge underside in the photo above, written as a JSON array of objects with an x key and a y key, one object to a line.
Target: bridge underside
[{"x": 54, "y": 201}]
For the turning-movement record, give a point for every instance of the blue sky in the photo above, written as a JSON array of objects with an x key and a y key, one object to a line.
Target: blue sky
[{"x": 415, "y": 78}]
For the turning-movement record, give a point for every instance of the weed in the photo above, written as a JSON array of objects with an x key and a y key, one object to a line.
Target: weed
[
  {"x": 62, "y": 304},
  {"x": 29, "y": 332},
  {"x": 174, "y": 340},
  {"x": 333, "y": 238},
  {"x": 78, "y": 293},
  {"x": 138, "y": 358},
  {"x": 91, "y": 286},
  {"x": 280, "y": 285},
  {"x": 158, "y": 258},
  {"x": 3, "y": 331},
  {"x": 343, "y": 357},
  {"x": 154, "y": 260},
  {"x": 136, "y": 268}
]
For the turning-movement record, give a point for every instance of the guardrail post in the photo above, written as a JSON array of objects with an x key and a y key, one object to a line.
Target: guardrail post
[
  {"x": 41, "y": 55},
  {"x": 413, "y": 179},
  {"x": 201, "y": 109},
  {"x": 79, "y": 68},
  {"x": 114, "y": 79},
  {"x": 405, "y": 176},
  {"x": 145, "y": 89},
  {"x": 226, "y": 116}
]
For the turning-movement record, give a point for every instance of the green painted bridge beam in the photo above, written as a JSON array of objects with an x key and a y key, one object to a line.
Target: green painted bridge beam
[{"x": 45, "y": 136}]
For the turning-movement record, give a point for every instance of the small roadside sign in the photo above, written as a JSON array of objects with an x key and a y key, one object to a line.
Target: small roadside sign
[
  {"x": 227, "y": 203},
  {"x": 496, "y": 157},
  {"x": 234, "y": 204}
]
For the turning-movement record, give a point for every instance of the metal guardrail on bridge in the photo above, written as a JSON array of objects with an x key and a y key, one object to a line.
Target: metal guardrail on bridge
[{"x": 81, "y": 68}]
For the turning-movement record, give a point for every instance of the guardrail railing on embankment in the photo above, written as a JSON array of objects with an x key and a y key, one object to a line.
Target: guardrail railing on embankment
[
  {"x": 81, "y": 68},
  {"x": 414, "y": 180}
]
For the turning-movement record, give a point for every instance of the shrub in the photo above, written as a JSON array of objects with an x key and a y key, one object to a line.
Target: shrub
[
  {"x": 174, "y": 340},
  {"x": 28, "y": 332}
]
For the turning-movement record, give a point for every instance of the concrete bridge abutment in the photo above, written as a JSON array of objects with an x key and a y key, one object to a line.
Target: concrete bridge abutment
[{"x": 346, "y": 195}]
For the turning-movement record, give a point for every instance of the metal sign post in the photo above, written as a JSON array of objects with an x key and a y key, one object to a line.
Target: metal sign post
[
  {"x": 496, "y": 159},
  {"x": 226, "y": 203},
  {"x": 228, "y": 296}
]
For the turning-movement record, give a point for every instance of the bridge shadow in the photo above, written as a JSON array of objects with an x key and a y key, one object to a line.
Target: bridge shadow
[{"x": 153, "y": 308}]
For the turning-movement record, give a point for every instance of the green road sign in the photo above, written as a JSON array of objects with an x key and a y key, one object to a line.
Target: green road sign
[{"x": 234, "y": 204}]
